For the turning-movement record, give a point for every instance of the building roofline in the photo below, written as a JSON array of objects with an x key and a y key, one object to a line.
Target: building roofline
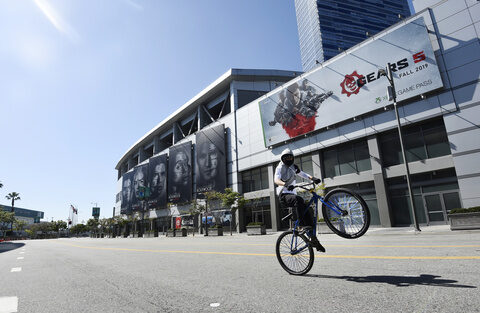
[{"x": 217, "y": 85}]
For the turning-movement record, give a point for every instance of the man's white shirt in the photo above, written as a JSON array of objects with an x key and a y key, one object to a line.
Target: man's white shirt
[{"x": 287, "y": 174}]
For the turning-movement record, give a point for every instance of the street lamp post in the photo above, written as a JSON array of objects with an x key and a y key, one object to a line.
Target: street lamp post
[{"x": 392, "y": 95}]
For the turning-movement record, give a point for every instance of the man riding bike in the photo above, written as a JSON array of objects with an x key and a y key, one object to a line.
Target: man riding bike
[{"x": 285, "y": 180}]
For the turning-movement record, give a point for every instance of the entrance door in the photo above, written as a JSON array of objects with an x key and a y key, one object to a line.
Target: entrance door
[{"x": 439, "y": 204}]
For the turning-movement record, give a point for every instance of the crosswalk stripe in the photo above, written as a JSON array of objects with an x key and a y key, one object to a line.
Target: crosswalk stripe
[{"x": 8, "y": 304}]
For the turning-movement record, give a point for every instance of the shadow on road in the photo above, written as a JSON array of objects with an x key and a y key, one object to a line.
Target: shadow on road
[
  {"x": 399, "y": 281},
  {"x": 7, "y": 246}
]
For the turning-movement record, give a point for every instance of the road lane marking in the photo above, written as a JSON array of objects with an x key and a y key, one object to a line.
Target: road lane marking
[
  {"x": 8, "y": 304},
  {"x": 376, "y": 246},
  {"x": 16, "y": 269},
  {"x": 272, "y": 254},
  {"x": 22, "y": 252},
  {"x": 214, "y": 305},
  {"x": 20, "y": 258}
]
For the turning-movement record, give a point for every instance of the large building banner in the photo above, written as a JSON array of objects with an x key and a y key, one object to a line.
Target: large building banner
[
  {"x": 157, "y": 181},
  {"x": 211, "y": 169},
  {"x": 180, "y": 173},
  {"x": 140, "y": 179},
  {"x": 352, "y": 84},
  {"x": 127, "y": 193}
]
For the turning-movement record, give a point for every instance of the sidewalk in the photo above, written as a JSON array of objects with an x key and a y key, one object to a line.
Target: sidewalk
[{"x": 435, "y": 229}]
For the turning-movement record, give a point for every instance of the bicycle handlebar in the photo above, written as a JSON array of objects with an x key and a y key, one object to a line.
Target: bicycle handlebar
[{"x": 304, "y": 188}]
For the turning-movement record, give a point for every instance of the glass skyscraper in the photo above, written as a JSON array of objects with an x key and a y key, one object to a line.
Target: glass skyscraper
[{"x": 327, "y": 27}]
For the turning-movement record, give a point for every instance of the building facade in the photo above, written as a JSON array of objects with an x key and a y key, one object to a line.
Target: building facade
[
  {"x": 26, "y": 215},
  {"x": 327, "y": 27},
  {"x": 353, "y": 141}
]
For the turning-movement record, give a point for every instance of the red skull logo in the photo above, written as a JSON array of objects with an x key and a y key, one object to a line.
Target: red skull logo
[{"x": 350, "y": 84}]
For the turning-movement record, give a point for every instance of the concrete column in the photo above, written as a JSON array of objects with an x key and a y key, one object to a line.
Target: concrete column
[
  {"x": 177, "y": 134},
  {"x": 384, "y": 210},
  {"x": 317, "y": 165},
  {"x": 274, "y": 204}
]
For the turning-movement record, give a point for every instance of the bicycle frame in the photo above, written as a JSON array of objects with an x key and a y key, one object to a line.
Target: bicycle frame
[{"x": 314, "y": 200}]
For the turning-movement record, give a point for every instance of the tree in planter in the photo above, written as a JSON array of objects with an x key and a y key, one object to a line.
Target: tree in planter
[
  {"x": 233, "y": 201},
  {"x": 6, "y": 218},
  {"x": 209, "y": 197},
  {"x": 79, "y": 229},
  {"x": 19, "y": 224},
  {"x": 109, "y": 222},
  {"x": 58, "y": 225},
  {"x": 93, "y": 225},
  {"x": 133, "y": 218},
  {"x": 121, "y": 222}
]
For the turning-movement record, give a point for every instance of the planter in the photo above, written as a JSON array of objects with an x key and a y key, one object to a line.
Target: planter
[
  {"x": 256, "y": 230},
  {"x": 191, "y": 231},
  {"x": 462, "y": 221},
  {"x": 215, "y": 231},
  {"x": 170, "y": 233},
  {"x": 149, "y": 234}
]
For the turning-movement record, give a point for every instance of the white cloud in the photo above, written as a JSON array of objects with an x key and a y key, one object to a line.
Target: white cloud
[{"x": 57, "y": 21}]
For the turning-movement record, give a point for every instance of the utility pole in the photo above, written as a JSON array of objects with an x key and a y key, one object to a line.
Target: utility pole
[{"x": 392, "y": 95}]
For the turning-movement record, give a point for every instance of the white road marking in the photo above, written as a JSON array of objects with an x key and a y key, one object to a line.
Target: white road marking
[
  {"x": 8, "y": 304},
  {"x": 20, "y": 258},
  {"x": 16, "y": 269},
  {"x": 214, "y": 305},
  {"x": 22, "y": 252}
]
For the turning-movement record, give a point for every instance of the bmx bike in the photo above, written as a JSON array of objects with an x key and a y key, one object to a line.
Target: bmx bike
[{"x": 344, "y": 212}]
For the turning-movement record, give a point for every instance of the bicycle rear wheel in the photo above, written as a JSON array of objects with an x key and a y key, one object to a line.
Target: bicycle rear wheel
[
  {"x": 294, "y": 253},
  {"x": 353, "y": 217}
]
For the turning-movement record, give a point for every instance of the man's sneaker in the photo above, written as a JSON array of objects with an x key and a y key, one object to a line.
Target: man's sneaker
[
  {"x": 317, "y": 244},
  {"x": 304, "y": 229}
]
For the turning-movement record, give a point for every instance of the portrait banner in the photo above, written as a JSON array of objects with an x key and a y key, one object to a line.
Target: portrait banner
[
  {"x": 140, "y": 179},
  {"x": 157, "y": 181},
  {"x": 180, "y": 173},
  {"x": 127, "y": 193},
  {"x": 211, "y": 169}
]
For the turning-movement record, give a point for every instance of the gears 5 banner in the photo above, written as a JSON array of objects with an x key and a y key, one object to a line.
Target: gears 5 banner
[{"x": 352, "y": 84}]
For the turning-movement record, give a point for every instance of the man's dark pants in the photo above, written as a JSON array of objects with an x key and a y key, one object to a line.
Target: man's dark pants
[{"x": 294, "y": 201}]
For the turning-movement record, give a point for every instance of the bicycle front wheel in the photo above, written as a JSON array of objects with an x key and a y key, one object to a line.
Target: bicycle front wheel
[
  {"x": 294, "y": 253},
  {"x": 346, "y": 213}
]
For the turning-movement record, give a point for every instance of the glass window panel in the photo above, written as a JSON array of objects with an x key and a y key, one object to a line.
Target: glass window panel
[
  {"x": 264, "y": 174},
  {"x": 246, "y": 181},
  {"x": 437, "y": 142},
  {"x": 390, "y": 147},
  {"x": 330, "y": 163},
  {"x": 419, "y": 209},
  {"x": 362, "y": 157},
  {"x": 346, "y": 160},
  {"x": 442, "y": 187},
  {"x": 373, "y": 208},
  {"x": 256, "y": 179},
  {"x": 401, "y": 211},
  {"x": 414, "y": 145},
  {"x": 452, "y": 201}
]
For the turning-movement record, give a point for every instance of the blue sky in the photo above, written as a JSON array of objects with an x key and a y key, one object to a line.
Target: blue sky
[{"x": 81, "y": 81}]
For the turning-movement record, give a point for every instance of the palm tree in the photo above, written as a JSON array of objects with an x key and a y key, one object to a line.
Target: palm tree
[{"x": 13, "y": 196}]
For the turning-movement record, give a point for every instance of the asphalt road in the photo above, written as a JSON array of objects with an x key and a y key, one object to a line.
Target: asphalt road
[{"x": 380, "y": 272}]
